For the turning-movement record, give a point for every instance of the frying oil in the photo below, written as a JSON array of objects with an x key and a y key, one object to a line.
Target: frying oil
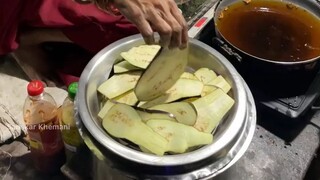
[{"x": 270, "y": 29}]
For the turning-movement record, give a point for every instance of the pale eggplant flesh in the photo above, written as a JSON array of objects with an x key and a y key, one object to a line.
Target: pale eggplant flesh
[
  {"x": 162, "y": 73},
  {"x": 163, "y": 109}
]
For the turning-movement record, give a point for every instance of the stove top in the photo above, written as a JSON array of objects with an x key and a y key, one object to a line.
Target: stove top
[
  {"x": 289, "y": 97},
  {"x": 299, "y": 97},
  {"x": 193, "y": 10}
]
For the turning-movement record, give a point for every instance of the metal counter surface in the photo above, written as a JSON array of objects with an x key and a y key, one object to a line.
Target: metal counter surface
[{"x": 270, "y": 156}]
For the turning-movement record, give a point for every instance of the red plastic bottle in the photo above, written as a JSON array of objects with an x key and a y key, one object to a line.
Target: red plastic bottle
[{"x": 40, "y": 115}]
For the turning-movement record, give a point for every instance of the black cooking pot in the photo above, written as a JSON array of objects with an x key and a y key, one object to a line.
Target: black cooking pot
[{"x": 258, "y": 67}]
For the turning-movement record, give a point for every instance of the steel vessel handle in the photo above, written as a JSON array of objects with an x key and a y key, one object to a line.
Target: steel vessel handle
[{"x": 315, "y": 108}]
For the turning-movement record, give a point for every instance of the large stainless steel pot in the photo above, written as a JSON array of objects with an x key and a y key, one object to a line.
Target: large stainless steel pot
[
  {"x": 260, "y": 67},
  {"x": 141, "y": 165}
]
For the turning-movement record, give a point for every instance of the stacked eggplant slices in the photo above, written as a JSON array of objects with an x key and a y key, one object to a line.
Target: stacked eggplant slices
[{"x": 151, "y": 103}]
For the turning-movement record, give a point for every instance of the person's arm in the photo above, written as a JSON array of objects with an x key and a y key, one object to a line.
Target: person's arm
[{"x": 162, "y": 16}]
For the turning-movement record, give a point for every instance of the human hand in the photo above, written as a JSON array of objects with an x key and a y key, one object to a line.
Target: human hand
[{"x": 162, "y": 16}]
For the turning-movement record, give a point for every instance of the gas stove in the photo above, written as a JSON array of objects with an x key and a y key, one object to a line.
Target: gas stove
[{"x": 285, "y": 97}]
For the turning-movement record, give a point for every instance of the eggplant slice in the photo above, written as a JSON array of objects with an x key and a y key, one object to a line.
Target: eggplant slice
[{"x": 161, "y": 73}]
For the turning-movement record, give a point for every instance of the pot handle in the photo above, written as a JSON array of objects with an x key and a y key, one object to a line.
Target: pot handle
[
  {"x": 221, "y": 45},
  {"x": 315, "y": 108}
]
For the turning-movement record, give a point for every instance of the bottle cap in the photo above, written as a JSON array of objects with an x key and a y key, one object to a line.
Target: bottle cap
[
  {"x": 35, "y": 88},
  {"x": 72, "y": 90}
]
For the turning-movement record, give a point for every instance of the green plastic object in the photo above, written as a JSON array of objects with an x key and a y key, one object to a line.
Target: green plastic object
[{"x": 72, "y": 90}]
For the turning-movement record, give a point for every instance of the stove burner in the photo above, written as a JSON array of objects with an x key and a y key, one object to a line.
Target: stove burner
[{"x": 288, "y": 96}]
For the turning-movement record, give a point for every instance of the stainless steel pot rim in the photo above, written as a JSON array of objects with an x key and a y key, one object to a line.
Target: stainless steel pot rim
[
  {"x": 100, "y": 135},
  {"x": 241, "y": 146},
  {"x": 218, "y": 9}
]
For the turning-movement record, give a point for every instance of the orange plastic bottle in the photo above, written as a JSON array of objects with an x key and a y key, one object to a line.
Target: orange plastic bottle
[{"x": 40, "y": 115}]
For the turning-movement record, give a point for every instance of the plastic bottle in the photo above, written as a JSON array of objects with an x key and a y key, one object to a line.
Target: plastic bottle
[
  {"x": 70, "y": 134},
  {"x": 40, "y": 115}
]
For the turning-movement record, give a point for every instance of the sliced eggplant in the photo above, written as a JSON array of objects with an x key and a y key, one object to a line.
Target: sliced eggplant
[
  {"x": 122, "y": 121},
  {"x": 141, "y": 103},
  {"x": 180, "y": 136},
  {"x": 205, "y": 75},
  {"x": 183, "y": 88},
  {"x": 190, "y": 99},
  {"x": 207, "y": 89},
  {"x": 141, "y": 56},
  {"x": 161, "y": 74},
  {"x": 128, "y": 98},
  {"x": 164, "y": 81},
  {"x": 146, "y": 116},
  {"x": 119, "y": 84},
  {"x": 124, "y": 66},
  {"x": 118, "y": 59},
  {"x": 187, "y": 75},
  {"x": 221, "y": 83},
  {"x": 211, "y": 109},
  {"x": 159, "y": 100},
  {"x": 145, "y": 150},
  {"x": 106, "y": 107},
  {"x": 184, "y": 112}
]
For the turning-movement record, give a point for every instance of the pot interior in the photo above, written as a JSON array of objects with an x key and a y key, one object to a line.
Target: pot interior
[{"x": 200, "y": 55}]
